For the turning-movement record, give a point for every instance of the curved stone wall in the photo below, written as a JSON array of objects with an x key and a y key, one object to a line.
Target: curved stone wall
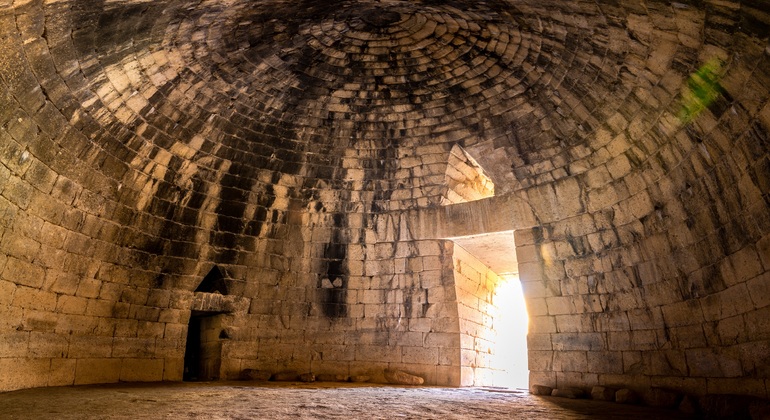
[{"x": 291, "y": 144}]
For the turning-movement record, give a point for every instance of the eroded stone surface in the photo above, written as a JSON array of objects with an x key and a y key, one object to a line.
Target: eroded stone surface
[
  {"x": 541, "y": 390},
  {"x": 601, "y": 393},
  {"x": 402, "y": 378},
  {"x": 572, "y": 393},
  {"x": 626, "y": 396}
]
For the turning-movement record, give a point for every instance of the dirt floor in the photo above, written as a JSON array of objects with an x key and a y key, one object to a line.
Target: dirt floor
[{"x": 251, "y": 400}]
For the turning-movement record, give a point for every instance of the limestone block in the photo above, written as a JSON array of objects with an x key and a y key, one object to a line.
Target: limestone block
[
  {"x": 173, "y": 369},
  {"x": 626, "y": 396},
  {"x": 71, "y": 305},
  {"x": 21, "y": 373},
  {"x": 20, "y": 247},
  {"x": 133, "y": 347},
  {"x": 542, "y": 324},
  {"x": 47, "y": 345},
  {"x": 307, "y": 377},
  {"x": 96, "y": 371},
  {"x": 741, "y": 266},
  {"x": 42, "y": 321},
  {"x": 23, "y": 273},
  {"x": 602, "y": 393},
  {"x": 605, "y": 362},
  {"x": 331, "y": 377},
  {"x": 759, "y": 289},
  {"x": 285, "y": 376},
  {"x": 447, "y": 376},
  {"x": 578, "y": 341},
  {"x": 89, "y": 347},
  {"x": 141, "y": 370},
  {"x": 574, "y": 361},
  {"x": 540, "y": 390},
  {"x": 420, "y": 355},
  {"x": 62, "y": 372},
  {"x": 572, "y": 393},
  {"x": 98, "y": 307},
  {"x": 540, "y": 361},
  {"x": 402, "y": 378}
]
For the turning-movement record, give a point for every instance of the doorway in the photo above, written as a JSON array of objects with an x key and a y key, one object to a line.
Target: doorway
[
  {"x": 203, "y": 350},
  {"x": 512, "y": 323}
]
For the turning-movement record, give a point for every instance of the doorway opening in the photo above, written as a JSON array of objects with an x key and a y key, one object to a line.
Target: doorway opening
[
  {"x": 492, "y": 311},
  {"x": 511, "y": 324},
  {"x": 203, "y": 350}
]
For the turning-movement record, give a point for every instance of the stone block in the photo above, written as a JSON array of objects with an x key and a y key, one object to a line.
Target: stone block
[
  {"x": 286, "y": 376},
  {"x": 741, "y": 266},
  {"x": 133, "y": 347},
  {"x": 21, "y": 373},
  {"x": 565, "y": 361},
  {"x": 141, "y": 370},
  {"x": 50, "y": 345},
  {"x": 71, "y": 305},
  {"x": 331, "y": 377},
  {"x": 14, "y": 344},
  {"x": 602, "y": 393},
  {"x": 560, "y": 305},
  {"x": 605, "y": 362},
  {"x": 23, "y": 273},
  {"x": 447, "y": 376},
  {"x": 626, "y": 396},
  {"x": 89, "y": 347},
  {"x": 540, "y": 390},
  {"x": 307, "y": 377},
  {"x": 97, "y": 371},
  {"x": 759, "y": 289},
  {"x": 62, "y": 372},
  {"x": 173, "y": 369},
  {"x": 572, "y": 393},
  {"x": 400, "y": 377}
]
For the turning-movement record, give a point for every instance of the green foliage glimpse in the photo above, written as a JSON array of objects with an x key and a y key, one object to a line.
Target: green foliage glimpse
[{"x": 702, "y": 90}]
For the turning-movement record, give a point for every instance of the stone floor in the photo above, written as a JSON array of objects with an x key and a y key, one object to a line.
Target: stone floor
[{"x": 245, "y": 400}]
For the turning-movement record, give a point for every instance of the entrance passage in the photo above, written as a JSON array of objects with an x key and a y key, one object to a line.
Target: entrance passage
[
  {"x": 203, "y": 351},
  {"x": 512, "y": 323}
]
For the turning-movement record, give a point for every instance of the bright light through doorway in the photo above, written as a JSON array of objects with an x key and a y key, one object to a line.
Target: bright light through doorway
[{"x": 511, "y": 325}]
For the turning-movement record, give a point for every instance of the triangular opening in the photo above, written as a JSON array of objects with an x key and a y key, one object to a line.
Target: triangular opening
[
  {"x": 214, "y": 282},
  {"x": 465, "y": 179}
]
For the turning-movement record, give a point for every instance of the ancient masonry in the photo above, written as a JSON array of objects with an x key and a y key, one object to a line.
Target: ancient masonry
[{"x": 194, "y": 189}]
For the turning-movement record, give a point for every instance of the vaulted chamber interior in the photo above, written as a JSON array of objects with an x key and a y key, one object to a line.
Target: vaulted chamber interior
[{"x": 191, "y": 190}]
